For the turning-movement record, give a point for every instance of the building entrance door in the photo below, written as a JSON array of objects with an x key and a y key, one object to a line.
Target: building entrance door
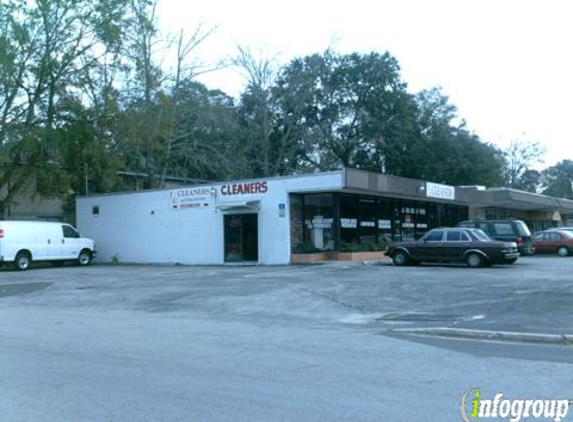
[{"x": 241, "y": 237}]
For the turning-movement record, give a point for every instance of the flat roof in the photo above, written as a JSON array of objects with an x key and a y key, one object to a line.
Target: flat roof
[
  {"x": 379, "y": 184},
  {"x": 215, "y": 183}
]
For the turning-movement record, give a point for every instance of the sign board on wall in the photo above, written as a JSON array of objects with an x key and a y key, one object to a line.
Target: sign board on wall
[
  {"x": 200, "y": 197},
  {"x": 436, "y": 190},
  {"x": 185, "y": 198},
  {"x": 245, "y": 188}
]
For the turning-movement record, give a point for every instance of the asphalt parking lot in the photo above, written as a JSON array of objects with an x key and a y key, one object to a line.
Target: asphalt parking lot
[
  {"x": 533, "y": 295},
  {"x": 288, "y": 343}
]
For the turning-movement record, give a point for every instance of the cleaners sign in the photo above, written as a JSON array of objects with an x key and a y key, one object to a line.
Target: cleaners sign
[
  {"x": 201, "y": 196},
  {"x": 185, "y": 198},
  {"x": 244, "y": 188},
  {"x": 436, "y": 190}
]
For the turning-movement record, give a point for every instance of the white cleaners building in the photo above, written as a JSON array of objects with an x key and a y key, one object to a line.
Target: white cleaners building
[
  {"x": 272, "y": 220},
  {"x": 207, "y": 224}
]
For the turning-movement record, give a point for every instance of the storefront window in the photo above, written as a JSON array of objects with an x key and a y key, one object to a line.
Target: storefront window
[
  {"x": 296, "y": 223},
  {"x": 349, "y": 219},
  {"x": 319, "y": 221},
  {"x": 421, "y": 220},
  {"x": 408, "y": 220},
  {"x": 384, "y": 220},
  {"x": 363, "y": 220},
  {"x": 367, "y": 220},
  {"x": 397, "y": 221}
]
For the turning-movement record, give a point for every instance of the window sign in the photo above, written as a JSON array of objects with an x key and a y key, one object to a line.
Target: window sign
[
  {"x": 319, "y": 222},
  {"x": 348, "y": 223},
  {"x": 384, "y": 224},
  {"x": 282, "y": 210},
  {"x": 367, "y": 224}
]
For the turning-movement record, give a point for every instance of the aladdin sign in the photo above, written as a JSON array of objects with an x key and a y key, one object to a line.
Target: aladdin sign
[{"x": 436, "y": 190}]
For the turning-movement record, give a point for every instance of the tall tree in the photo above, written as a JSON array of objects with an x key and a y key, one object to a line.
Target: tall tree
[
  {"x": 520, "y": 156},
  {"x": 448, "y": 152},
  {"x": 47, "y": 47},
  {"x": 267, "y": 138},
  {"x": 152, "y": 97},
  {"x": 558, "y": 180}
]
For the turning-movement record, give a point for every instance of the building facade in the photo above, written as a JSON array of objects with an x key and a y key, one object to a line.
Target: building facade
[{"x": 268, "y": 221}]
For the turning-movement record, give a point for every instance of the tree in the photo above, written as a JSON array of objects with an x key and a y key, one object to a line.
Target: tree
[
  {"x": 208, "y": 128},
  {"x": 349, "y": 108},
  {"x": 447, "y": 151},
  {"x": 152, "y": 100},
  {"x": 558, "y": 180},
  {"x": 47, "y": 47},
  {"x": 529, "y": 181},
  {"x": 519, "y": 157},
  {"x": 266, "y": 139}
]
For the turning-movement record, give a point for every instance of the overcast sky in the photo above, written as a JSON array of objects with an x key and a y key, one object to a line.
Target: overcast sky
[{"x": 506, "y": 64}]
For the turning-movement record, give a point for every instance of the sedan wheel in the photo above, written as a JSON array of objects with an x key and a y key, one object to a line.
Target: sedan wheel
[
  {"x": 562, "y": 251},
  {"x": 400, "y": 258},
  {"x": 474, "y": 260}
]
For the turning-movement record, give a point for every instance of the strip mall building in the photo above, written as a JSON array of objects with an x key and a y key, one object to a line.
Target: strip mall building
[{"x": 272, "y": 220}]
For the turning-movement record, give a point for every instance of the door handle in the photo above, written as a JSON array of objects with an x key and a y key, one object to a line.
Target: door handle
[
  {"x": 63, "y": 241},
  {"x": 49, "y": 241}
]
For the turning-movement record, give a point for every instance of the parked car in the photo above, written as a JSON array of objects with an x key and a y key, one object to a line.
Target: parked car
[
  {"x": 567, "y": 229},
  {"x": 472, "y": 246},
  {"x": 22, "y": 242},
  {"x": 505, "y": 231},
  {"x": 554, "y": 241}
]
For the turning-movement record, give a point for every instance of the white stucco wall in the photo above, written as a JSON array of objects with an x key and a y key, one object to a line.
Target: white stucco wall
[{"x": 144, "y": 227}]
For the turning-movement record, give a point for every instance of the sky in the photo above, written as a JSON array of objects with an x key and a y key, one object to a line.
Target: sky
[{"x": 507, "y": 65}]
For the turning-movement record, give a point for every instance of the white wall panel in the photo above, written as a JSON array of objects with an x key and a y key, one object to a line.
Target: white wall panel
[{"x": 143, "y": 227}]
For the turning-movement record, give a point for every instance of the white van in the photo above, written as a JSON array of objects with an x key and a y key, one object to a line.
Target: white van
[{"x": 22, "y": 242}]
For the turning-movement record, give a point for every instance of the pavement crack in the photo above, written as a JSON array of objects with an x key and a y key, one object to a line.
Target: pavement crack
[{"x": 337, "y": 301}]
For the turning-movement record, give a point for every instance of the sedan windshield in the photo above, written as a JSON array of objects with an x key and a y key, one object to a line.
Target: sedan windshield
[{"x": 481, "y": 236}]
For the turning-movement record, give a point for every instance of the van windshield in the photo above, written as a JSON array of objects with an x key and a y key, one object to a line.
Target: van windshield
[{"x": 522, "y": 229}]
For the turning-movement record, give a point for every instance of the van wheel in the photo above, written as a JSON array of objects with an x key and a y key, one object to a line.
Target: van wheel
[
  {"x": 85, "y": 258},
  {"x": 474, "y": 260},
  {"x": 562, "y": 251},
  {"x": 23, "y": 261}
]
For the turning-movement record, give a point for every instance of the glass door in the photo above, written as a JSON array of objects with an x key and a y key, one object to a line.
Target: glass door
[{"x": 241, "y": 237}]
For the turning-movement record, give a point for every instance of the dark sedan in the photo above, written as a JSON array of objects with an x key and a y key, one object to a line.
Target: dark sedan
[
  {"x": 554, "y": 241},
  {"x": 471, "y": 246}
]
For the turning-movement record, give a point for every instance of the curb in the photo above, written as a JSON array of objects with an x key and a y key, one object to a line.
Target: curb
[
  {"x": 466, "y": 333},
  {"x": 371, "y": 262}
]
